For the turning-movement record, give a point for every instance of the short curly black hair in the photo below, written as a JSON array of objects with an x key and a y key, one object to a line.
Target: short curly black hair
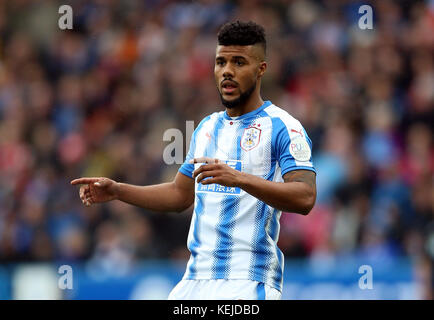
[{"x": 242, "y": 34}]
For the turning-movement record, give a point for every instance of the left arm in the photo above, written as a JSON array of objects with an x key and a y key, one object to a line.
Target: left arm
[{"x": 297, "y": 194}]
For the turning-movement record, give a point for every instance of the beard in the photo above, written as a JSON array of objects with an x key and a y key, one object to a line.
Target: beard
[{"x": 244, "y": 96}]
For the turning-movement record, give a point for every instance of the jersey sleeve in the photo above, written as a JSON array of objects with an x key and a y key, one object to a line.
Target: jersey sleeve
[
  {"x": 293, "y": 147},
  {"x": 188, "y": 168}
]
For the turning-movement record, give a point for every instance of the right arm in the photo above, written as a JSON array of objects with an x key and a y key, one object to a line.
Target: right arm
[{"x": 177, "y": 195}]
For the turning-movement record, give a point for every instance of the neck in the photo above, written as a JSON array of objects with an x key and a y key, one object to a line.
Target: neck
[{"x": 253, "y": 103}]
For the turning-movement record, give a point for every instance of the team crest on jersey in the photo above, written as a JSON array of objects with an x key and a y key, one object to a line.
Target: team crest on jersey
[{"x": 250, "y": 139}]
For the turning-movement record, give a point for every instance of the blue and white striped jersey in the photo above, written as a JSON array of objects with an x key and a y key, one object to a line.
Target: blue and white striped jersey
[{"x": 233, "y": 235}]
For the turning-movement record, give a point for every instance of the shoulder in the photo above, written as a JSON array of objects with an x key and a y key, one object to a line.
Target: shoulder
[
  {"x": 282, "y": 119},
  {"x": 210, "y": 119}
]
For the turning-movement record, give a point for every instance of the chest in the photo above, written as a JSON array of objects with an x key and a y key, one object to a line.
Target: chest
[{"x": 249, "y": 143}]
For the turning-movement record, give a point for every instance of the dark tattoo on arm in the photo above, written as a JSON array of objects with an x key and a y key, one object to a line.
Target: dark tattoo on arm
[{"x": 306, "y": 176}]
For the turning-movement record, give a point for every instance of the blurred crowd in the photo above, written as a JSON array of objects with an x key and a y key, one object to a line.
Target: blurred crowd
[{"x": 96, "y": 101}]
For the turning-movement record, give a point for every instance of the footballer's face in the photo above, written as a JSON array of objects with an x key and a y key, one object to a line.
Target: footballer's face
[{"x": 237, "y": 72}]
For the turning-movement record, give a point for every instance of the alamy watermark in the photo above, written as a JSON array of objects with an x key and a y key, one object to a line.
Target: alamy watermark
[
  {"x": 366, "y": 281},
  {"x": 66, "y": 280},
  {"x": 173, "y": 153},
  {"x": 366, "y": 20},
  {"x": 65, "y": 21}
]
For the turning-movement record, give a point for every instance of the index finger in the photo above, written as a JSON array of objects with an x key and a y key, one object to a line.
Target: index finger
[
  {"x": 84, "y": 180},
  {"x": 205, "y": 167}
]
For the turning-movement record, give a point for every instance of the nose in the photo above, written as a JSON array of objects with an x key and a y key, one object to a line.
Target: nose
[{"x": 228, "y": 72}]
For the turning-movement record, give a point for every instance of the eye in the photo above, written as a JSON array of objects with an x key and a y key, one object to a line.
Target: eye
[
  {"x": 219, "y": 63},
  {"x": 239, "y": 63}
]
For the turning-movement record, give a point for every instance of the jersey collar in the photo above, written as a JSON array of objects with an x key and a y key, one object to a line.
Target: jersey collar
[{"x": 249, "y": 114}]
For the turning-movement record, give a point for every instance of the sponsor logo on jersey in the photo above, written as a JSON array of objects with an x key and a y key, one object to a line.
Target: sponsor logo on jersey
[
  {"x": 299, "y": 149},
  {"x": 217, "y": 188}
]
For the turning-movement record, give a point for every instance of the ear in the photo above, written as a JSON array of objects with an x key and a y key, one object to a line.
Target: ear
[{"x": 262, "y": 68}]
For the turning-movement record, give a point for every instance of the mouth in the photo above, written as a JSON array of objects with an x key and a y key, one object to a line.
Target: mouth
[{"x": 228, "y": 86}]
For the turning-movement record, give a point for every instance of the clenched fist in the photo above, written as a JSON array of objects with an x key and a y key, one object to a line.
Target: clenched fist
[{"x": 96, "y": 190}]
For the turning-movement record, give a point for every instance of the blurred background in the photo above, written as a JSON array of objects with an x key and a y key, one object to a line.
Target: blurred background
[{"x": 96, "y": 100}]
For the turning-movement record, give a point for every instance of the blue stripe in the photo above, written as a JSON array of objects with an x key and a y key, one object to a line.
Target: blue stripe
[
  {"x": 261, "y": 251},
  {"x": 286, "y": 160},
  {"x": 200, "y": 199},
  {"x": 239, "y": 134},
  {"x": 271, "y": 172},
  {"x": 225, "y": 242},
  {"x": 260, "y": 290},
  {"x": 274, "y": 233},
  {"x": 278, "y": 276},
  {"x": 276, "y": 138}
]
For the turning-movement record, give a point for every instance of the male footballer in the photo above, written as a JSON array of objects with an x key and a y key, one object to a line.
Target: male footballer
[{"x": 244, "y": 167}]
